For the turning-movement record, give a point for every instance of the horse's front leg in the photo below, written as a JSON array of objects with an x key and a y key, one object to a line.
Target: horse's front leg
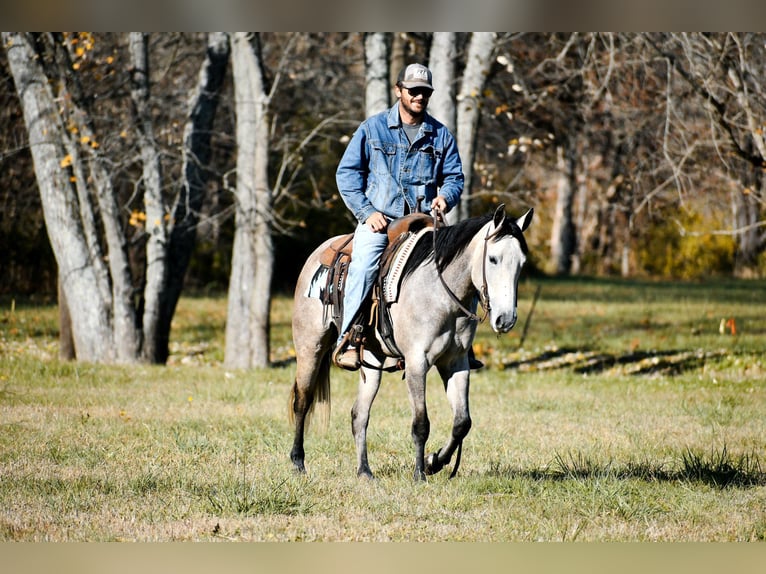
[
  {"x": 369, "y": 382},
  {"x": 456, "y": 381},
  {"x": 421, "y": 426}
]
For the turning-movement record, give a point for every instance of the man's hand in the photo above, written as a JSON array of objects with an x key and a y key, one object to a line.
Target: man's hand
[
  {"x": 377, "y": 222},
  {"x": 440, "y": 204}
]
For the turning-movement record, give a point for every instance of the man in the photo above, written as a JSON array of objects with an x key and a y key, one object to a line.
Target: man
[{"x": 393, "y": 159}]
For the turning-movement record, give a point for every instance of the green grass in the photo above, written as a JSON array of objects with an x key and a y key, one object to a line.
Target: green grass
[{"x": 624, "y": 416}]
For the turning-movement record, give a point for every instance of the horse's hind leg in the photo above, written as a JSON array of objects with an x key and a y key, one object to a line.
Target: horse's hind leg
[
  {"x": 312, "y": 385},
  {"x": 457, "y": 385},
  {"x": 302, "y": 399},
  {"x": 369, "y": 383}
]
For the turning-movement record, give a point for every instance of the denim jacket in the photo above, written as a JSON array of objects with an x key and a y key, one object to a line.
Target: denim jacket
[{"x": 380, "y": 170}]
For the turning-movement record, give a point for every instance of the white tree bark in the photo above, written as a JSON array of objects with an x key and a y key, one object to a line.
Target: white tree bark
[
  {"x": 477, "y": 67},
  {"x": 442, "y": 65},
  {"x": 249, "y": 305},
  {"x": 80, "y": 270},
  {"x": 562, "y": 230},
  {"x": 378, "y": 86},
  {"x": 154, "y": 204},
  {"x": 80, "y": 203}
]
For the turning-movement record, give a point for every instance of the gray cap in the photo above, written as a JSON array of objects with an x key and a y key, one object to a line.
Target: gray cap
[{"x": 415, "y": 76}]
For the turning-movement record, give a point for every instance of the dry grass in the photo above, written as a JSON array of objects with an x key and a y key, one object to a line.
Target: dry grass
[{"x": 626, "y": 416}]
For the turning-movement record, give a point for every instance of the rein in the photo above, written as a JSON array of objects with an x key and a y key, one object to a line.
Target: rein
[{"x": 484, "y": 292}]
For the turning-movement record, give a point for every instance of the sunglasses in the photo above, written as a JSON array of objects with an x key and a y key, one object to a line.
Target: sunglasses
[{"x": 425, "y": 92}]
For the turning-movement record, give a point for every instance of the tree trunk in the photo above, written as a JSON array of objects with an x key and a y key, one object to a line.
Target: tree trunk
[
  {"x": 66, "y": 342},
  {"x": 378, "y": 86},
  {"x": 83, "y": 218},
  {"x": 477, "y": 67},
  {"x": 78, "y": 113},
  {"x": 248, "y": 325},
  {"x": 398, "y": 55},
  {"x": 154, "y": 204},
  {"x": 442, "y": 64},
  {"x": 81, "y": 271},
  {"x": 203, "y": 105},
  {"x": 562, "y": 231},
  {"x": 746, "y": 211}
]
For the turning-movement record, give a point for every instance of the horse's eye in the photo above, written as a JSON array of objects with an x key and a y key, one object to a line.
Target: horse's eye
[{"x": 493, "y": 259}]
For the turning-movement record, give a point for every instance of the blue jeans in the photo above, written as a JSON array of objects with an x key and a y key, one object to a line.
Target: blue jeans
[{"x": 362, "y": 271}]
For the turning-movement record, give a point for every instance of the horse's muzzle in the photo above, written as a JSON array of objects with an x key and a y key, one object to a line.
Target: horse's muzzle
[{"x": 504, "y": 322}]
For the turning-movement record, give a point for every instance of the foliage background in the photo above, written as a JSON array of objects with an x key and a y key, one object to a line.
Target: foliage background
[{"x": 533, "y": 103}]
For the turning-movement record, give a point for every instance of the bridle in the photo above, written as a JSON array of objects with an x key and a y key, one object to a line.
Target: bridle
[{"x": 484, "y": 291}]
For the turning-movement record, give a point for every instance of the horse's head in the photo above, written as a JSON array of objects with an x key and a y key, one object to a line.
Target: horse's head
[{"x": 498, "y": 267}]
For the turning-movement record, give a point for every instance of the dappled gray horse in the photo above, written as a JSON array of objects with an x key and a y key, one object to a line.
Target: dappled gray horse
[{"x": 434, "y": 324}]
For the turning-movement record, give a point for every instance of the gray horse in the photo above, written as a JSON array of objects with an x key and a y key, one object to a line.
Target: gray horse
[{"x": 434, "y": 325}]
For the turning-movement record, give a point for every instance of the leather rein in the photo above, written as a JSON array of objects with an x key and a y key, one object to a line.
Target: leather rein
[{"x": 484, "y": 292}]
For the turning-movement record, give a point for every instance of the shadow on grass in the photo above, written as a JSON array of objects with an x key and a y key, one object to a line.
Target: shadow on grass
[
  {"x": 584, "y": 361},
  {"x": 718, "y": 469}
]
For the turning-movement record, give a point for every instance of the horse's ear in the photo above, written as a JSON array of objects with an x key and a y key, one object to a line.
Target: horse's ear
[
  {"x": 524, "y": 221},
  {"x": 499, "y": 215}
]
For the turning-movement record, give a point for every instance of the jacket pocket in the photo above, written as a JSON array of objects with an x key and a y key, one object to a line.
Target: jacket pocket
[
  {"x": 429, "y": 159},
  {"x": 383, "y": 157}
]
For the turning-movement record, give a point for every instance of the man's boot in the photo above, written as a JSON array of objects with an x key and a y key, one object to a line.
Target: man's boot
[{"x": 346, "y": 355}]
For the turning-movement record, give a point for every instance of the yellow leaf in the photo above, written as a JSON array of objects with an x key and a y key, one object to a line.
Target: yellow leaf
[
  {"x": 84, "y": 140},
  {"x": 67, "y": 161}
]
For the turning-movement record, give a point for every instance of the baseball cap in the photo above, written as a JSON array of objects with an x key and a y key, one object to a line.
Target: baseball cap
[{"x": 415, "y": 76}]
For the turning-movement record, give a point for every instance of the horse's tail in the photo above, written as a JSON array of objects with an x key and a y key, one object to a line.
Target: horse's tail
[{"x": 321, "y": 401}]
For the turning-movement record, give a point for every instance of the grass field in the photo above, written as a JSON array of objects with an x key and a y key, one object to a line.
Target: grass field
[{"x": 626, "y": 415}]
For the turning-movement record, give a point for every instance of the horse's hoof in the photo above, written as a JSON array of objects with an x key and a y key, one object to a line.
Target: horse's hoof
[
  {"x": 365, "y": 474},
  {"x": 419, "y": 476},
  {"x": 432, "y": 463}
]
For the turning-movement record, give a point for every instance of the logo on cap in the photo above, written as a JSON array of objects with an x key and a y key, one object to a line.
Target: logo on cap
[{"x": 416, "y": 75}]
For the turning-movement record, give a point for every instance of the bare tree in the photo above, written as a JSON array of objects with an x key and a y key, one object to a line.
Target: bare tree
[
  {"x": 378, "y": 85},
  {"x": 725, "y": 72},
  {"x": 38, "y": 64},
  {"x": 477, "y": 65},
  {"x": 195, "y": 170},
  {"x": 249, "y": 304},
  {"x": 155, "y": 208},
  {"x": 562, "y": 230},
  {"x": 442, "y": 63},
  {"x": 83, "y": 216}
]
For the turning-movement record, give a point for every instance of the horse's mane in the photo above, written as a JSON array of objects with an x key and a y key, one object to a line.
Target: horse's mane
[{"x": 452, "y": 240}]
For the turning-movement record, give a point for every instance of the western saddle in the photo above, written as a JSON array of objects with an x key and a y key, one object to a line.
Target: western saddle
[{"x": 374, "y": 311}]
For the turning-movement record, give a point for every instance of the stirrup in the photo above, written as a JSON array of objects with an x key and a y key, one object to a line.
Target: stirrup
[
  {"x": 346, "y": 355},
  {"x": 347, "y": 358}
]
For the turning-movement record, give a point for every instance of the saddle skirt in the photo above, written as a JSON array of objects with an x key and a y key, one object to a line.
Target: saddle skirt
[{"x": 329, "y": 279}]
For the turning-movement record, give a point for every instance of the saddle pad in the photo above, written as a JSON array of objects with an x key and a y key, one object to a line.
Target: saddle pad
[
  {"x": 318, "y": 283},
  {"x": 393, "y": 279}
]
